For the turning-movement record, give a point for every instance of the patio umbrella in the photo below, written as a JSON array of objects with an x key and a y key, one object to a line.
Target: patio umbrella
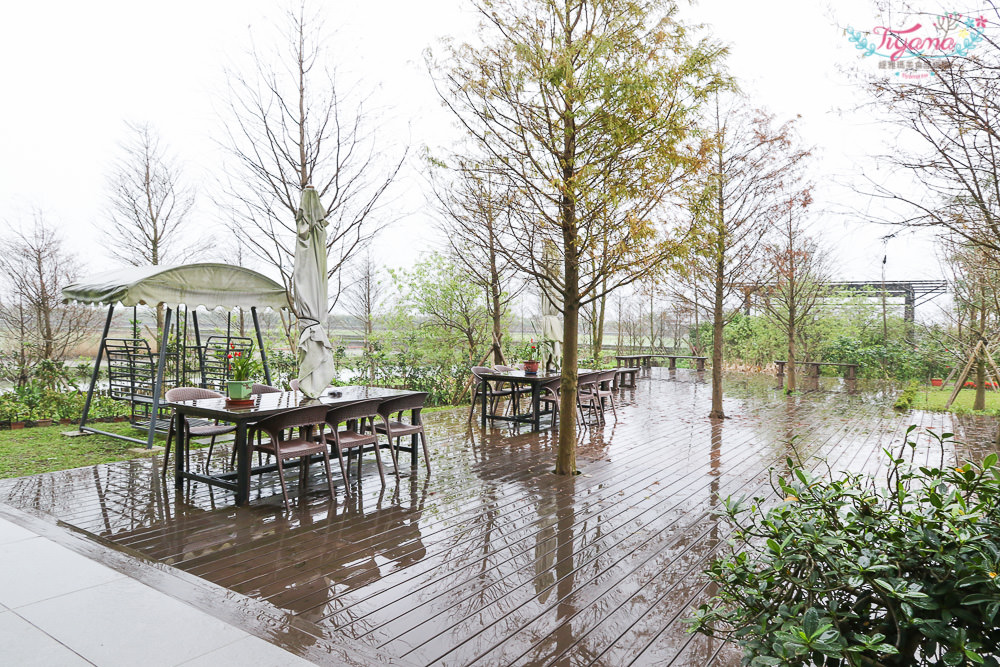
[
  {"x": 309, "y": 286},
  {"x": 552, "y": 326}
]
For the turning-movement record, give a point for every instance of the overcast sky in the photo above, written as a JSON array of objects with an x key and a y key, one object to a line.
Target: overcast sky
[{"x": 73, "y": 73}]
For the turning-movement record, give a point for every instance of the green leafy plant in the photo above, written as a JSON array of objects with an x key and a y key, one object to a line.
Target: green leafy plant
[
  {"x": 856, "y": 570},
  {"x": 242, "y": 365}
]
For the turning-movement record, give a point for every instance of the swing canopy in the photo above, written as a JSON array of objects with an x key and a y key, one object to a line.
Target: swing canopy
[{"x": 210, "y": 285}]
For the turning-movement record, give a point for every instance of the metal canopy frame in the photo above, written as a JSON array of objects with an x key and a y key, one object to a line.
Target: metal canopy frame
[{"x": 155, "y": 399}]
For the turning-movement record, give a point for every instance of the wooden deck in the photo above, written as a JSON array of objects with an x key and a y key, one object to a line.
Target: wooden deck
[{"x": 492, "y": 559}]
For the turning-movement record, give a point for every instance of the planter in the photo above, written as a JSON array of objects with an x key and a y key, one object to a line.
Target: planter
[
  {"x": 936, "y": 382},
  {"x": 16, "y": 425},
  {"x": 239, "y": 390},
  {"x": 531, "y": 367}
]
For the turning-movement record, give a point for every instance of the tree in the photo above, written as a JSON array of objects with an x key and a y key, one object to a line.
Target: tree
[
  {"x": 799, "y": 274},
  {"x": 365, "y": 298},
  {"x": 36, "y": 268},
  {"x": 476, "y": 224},
  {"x": 949, "y": 145},
  {"x": 291, "y": 125},
  {"x": 751, "y": 179},
  {"x": 435, "y": 290},
  {"x": 148, "y": 205},
  {"x": 584, "y": 108}
]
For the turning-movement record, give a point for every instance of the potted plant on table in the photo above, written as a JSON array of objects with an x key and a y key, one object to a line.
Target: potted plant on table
[
  {"x": 242, "y": 369},
  {"x": 529, "y": 357}
]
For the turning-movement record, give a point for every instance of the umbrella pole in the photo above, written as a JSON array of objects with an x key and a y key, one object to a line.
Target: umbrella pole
[
  {"x": 158, "y": 383},
  {"x": 260, "y": 345},
  {"x": 97, "y": 368},
  {"x": 201, "y": 351}
]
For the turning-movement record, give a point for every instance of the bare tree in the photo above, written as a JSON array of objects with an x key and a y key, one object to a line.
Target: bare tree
[
  {"x": 753, "y": 175},
  {"x": 148, "y": 205},
  {"x": 36, "y": 267},
  {"x": 949, "y": 145},
  {"x": 477, "y": 227},
  {"x": 291, "y": 125},
  {"x": 364, "y": 300},
  {"x": 584, "y": 108},
  {"x": 799, "y": 276}
]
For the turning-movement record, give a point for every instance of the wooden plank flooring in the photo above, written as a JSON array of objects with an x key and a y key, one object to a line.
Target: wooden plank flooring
[{"x": 492, "y": 559}]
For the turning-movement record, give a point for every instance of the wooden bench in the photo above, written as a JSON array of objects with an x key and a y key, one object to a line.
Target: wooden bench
[
  {"x": 645, "y": 360},
  {"x": 812, "y": 374},
  {"x": 626, "y": 377},
  {"x": 672, "y": 360}
]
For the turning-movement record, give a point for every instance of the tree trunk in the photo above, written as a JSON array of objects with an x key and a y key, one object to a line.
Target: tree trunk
[
  {"x": 717, "y": 327},
  {"x": 980, "y": 403},
  {"x": 599, "y": 326},
  {"x": 791, "y": 359},
  {"x": 566, "y": 458}
]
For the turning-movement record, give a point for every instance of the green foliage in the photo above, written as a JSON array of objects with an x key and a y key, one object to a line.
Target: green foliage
[
  {"x": 243, "y": 365},
  {"x": 905, "y": 399},
  {"x": 859, "y": 571}
]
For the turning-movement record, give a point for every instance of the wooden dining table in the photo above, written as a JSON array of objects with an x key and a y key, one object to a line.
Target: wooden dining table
[
  {"x": 264, "y": 405},
  {"x": 532, "y": 380}
]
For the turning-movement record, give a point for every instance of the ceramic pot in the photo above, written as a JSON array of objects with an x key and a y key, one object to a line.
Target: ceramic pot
[
  {"x": 239, "y": 390},
  {"x": 531, "y": 367}
]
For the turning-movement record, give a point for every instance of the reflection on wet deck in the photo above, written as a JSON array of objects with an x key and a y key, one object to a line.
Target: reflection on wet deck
[{"x": 492, "y": 559}]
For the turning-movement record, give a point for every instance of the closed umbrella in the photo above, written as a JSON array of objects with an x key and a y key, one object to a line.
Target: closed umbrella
[
  {"x": 309, "y": 286},
  {"x": 552, "y": 325}
]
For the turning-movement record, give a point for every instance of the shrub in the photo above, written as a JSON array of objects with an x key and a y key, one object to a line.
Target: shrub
[
  {"x": 905, "y": 400},
  {"x": 857, "y": 571}
]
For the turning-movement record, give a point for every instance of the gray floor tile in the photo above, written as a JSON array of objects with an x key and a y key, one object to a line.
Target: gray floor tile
[
  {"x": 24, "y": 645},
  {"x": 37, "y": 569},
  {"x": 127, "y": 623},
  {"x": 248, "y": 652},
  {"x": 11, "y": 532}
]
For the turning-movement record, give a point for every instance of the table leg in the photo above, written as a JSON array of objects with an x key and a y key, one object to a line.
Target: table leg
[
  {"x": 413, "y": 444},
  {"x": 180, "y": 449},
  {"x": 242, "y": 464},
  {"x": 672, "y": 363},
  {"x": 482, "y": 415},
  {"x": 536, "y": 393}
]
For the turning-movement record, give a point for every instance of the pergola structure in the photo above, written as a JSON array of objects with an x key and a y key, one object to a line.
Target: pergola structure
[
  {"x": 186, "y": 287},
  {"x": 912, "y": 292}
]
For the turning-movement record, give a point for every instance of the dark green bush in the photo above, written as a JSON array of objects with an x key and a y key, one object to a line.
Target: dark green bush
[{"x": 859, "y": 571}]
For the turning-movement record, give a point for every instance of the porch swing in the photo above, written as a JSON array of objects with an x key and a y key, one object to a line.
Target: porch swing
[{"x": 135, "y": 375}]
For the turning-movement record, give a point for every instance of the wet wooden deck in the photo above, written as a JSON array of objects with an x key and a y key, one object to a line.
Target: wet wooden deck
[{"x": 492, "y": 559}]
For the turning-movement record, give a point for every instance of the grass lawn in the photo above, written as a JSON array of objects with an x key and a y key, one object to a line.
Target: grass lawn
[
  {"x": 31, "y": 451},
  {"x": 932, "y": 398}
]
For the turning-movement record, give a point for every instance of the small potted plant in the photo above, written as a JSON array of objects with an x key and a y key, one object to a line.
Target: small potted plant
[
  {"x": 529, "y": 357},
  {"x": 936, "y": 382},
  {"x": 242, "y": 368}
]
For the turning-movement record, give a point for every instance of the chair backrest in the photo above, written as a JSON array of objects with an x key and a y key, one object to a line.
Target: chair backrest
[
  {"x": 258, "y": 388},
  {"x": 356, "y": 410},
  {"x": 587, "y": 379},
  {"x": 608, "y": 376},
  {"x": 275, "y": 425},
  {"x": 479, "y": 370},
  {"x": 412, "y": 402},
  {"x": 190, "y": 394},
  {"x": 504, "y": 369}
]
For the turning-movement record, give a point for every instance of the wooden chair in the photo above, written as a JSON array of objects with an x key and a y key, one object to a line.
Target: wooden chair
[
  {"x": 361, "y": 438},
  {"x": 604, "y": 389},
  {"x": 257, "y": 388},
  {"x": 494, "y": 394},
  {"x": 587, "y": 396},
  {"x": 549, "y": 395},
  {"x": 282, "y": 448},
  {"x": 197, "y": 430},
  {"x": 517, "y": 390},
  {"x": 396, "y": 428}
]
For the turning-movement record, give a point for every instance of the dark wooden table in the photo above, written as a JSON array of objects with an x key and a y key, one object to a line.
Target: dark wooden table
[
  {"x": 264, "y": 405},
  {"x": 534, "y": 382}
]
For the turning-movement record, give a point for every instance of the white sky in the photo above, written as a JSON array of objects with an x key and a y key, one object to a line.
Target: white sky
[{"x": 74, "y": 72}]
